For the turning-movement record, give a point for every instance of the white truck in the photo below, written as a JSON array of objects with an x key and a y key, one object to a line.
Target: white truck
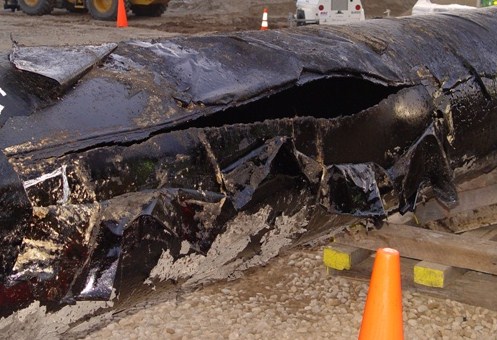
[
  {"x": 328, "y": 12},
  {"x": 427, "y": 7}
]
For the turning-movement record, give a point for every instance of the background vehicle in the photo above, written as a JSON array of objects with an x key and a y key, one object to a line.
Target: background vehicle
[
  {"x": 426, "y": 7},
  {"x": 328, "y": 12},
  {"x": 437, "y": 6},
  {"x": 98, "y": 9}
]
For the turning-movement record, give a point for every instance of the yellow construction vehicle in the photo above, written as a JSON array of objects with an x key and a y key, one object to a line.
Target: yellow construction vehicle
[{"x": 98, "y": 9}]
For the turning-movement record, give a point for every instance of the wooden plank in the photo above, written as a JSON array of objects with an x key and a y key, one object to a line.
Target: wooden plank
[
  {"x": 437, "y": 275},
  {"x": 467, "y": 200},
  {"x": 465, "y": 220},
  {"x": 434, "y": 246},
  {"x": 477, "y": 201},
  {"x": 484, "y": 180},
  {"x": 472, "y": 287},
  {"x": 487, "y": 233}
]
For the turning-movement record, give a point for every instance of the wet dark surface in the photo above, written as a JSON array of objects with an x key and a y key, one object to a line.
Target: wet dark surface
[{"x": 165, "y": 146}]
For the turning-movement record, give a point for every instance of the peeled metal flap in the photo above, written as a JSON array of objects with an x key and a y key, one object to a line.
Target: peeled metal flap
[
  {"x": 62, "y": 64},
  {"x": 217, "y": 69}
]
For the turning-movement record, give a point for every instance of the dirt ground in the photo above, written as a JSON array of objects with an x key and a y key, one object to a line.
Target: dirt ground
[{"x": 182, "y": 17}]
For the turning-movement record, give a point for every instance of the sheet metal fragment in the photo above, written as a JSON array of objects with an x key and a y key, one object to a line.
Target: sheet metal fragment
[{"x": 66, "y": 66}]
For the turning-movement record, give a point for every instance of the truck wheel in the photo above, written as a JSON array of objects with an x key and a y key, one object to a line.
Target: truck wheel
[
  {"x": 149, "y": 10},
  {"x": 103, "y": 9},
  {"x": 37, "y": 7}
]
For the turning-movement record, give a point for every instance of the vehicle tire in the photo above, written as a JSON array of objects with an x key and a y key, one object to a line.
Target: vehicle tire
[
  {"x": 104, "y": 9},
  {"x": 70, "y": 8},
  {"x": 37, "y": 7},
  {"x": 155, "y": 10}
]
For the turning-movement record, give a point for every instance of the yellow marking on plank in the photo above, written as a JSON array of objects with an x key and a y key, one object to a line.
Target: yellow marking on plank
[
  {"x": 433, "y": 274},
  {"x": 336, "y": 259},
  {"x": 342, "y": 257}
]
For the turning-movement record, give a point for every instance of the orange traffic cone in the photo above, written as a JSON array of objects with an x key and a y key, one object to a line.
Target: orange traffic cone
[
  {"x": 382, "y": 318},
  {"x": 122, "y": 19},
  {"x": 264, "y": 25}
]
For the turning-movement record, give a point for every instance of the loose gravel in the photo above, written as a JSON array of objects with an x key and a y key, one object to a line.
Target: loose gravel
[{"x": 293, "y": 298}]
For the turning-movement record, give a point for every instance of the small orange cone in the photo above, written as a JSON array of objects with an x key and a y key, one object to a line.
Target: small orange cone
[
  {"x": 122, "y": 19},
  {"x": 382, "y": 318},
  {"x": 264, "y": 25}
]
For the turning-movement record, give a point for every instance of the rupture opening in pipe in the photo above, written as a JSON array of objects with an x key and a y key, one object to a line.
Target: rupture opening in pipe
[{"x": 323, "y": 98}]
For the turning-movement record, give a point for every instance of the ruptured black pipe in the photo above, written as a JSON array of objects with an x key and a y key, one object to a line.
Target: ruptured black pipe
[{"x": 179, "y": 161}]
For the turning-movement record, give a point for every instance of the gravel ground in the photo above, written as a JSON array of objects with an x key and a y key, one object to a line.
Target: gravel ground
[{"x": 293, "y": 298}]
